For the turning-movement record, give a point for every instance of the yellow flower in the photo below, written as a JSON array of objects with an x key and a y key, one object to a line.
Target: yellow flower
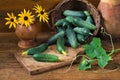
[
  {"x": 43, "y": 16},
  {"x": 11, "y": 20},
  {"x": 26, "y": 18}
]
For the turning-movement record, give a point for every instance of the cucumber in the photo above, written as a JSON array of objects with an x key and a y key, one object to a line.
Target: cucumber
[
  {"x": 82, "y": 31},
  {"x": 80, "y": 38},
  {"x": 54, "y": 38},
  {"x": 71, "y": 36},
  {"x": 74, "y": 13},
  {"x": 38, "y": 49},
  {"x": 43, "y": 57},
  {"x": 58, "y": 29},
  {"x": 61, "y": 45},
  {"x": 86, "y": 13},
  {"x": 62, "y": 23},
  {"x": 80, "y": 22},
  {"x": 70, "y": 19},
  {"x": 89, "y": 19}
]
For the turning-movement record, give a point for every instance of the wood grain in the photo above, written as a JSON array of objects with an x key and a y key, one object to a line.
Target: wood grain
[
  {"x": 11, "y": 69},
  {"x": 34, "y": 67}
]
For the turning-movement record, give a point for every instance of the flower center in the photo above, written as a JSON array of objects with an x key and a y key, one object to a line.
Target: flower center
[
  {"x": 12, "y": 20},
  {"x": 25, "y": 18},
  {"x": 41, "y": 12}
]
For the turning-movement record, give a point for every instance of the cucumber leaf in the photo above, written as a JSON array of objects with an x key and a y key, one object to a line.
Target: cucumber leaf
[
  {"x": 90, "y": 51},
  {"x": 96, "y": 42},
  {"x": 85, "y": 64},
  {"x": 95, "y": 51},
  {"x": 103, "y": 60}
]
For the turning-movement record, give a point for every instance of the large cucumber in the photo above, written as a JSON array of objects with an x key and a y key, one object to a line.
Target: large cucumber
[
  {"x": 82, "y": 31},
  {"x": 61, "y": 45},
  {"x": 54, "y": 38},
  {"x": 34, "y": 50},
  {"x": 80, "y": 22},
  {"x": 74, "y": 13},
  {"x": 43, "y": 57},
  {"x": 71, "y": 37}
]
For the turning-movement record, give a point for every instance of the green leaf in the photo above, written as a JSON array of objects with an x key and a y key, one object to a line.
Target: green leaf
[
  {"x": 85, "y": 64},
  {"x": 94, "y": 49},
  {"x": 103, "y": 60},
  {"x": 100, "y": 52},
  {"x": 89, "y": 50},
  {"x": 96, "y": 42}
]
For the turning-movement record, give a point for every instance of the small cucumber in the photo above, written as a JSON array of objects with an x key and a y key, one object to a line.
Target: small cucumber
[
  {"x": 43, "y": 57},
  {"x": 62, "y": 23},
  {"x": 38, "y": 49},
  {"x": 80, "y": 22},
  {"x": 86, "y": 13},
  {"x": 89, "y": 19},
  {"x": 80, "y": 38},
  {"x": 71, "y": 36},
  {"x": 82, "y": 31},
  {"x": 70, "y": 19},
  {"x": 58, "y": 29},
  {"x": 54, "y": 38},
  {"x": 74, "y": 13},
  {"x": 61, "y": 45}
]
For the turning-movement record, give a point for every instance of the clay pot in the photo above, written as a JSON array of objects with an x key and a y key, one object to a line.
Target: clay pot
[
  {"x": 110, "y": 11},
  {"x": 27, "y": 35}
]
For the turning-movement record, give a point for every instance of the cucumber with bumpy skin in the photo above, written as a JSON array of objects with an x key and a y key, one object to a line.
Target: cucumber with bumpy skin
[
  {"x": 80, "y": 38},
  {"x": 62, "y": 23},
  {"x": 61, "y": 45},
  {"x": 89, "y": 19},
  {"x": 34, "y": 50},
  {"x": 71, "y": 37},
  {"x": 43, "y": 57},
  {"x": 54, "y": 38},
  {"x": 80, "y": 22},
  {"x": 82, "y": 31},
  {"x": 74, "y": 13}
]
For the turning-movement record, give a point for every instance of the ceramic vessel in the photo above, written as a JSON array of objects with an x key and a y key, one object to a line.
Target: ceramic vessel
[
  {"x": 27, "y": 35},
  {"x": 110, "y": 11}
]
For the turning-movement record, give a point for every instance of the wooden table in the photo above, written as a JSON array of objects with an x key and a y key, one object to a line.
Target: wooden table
[{"x": 10, "y": 69}]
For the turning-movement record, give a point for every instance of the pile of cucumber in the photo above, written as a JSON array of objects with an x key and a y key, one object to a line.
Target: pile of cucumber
[
  {"x": 71, "y": 31},
  {"x": 77, "y": 27}
]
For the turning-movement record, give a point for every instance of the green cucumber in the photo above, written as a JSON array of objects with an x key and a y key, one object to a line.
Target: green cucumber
[
  {"x": 38, "y": 49},
  {"x": 80, "y": 22},
  {"x": 61, "y": 45},
  {"x": 58, "y": 29},
  {"x": 59, "y": 22},
  {"x": 74, "y": 13},
  {"x": 80, "y": 38},
  {"x": 82, "y": 31},
  {"x": 86, "y": 13},
  {"x": 62, "y": 23},
  {"x": 89, "y": 19},
  {"x": 71, "y": 36},
  {"x": 54, "y": 38},
  {"x": 43, "y": 57}
]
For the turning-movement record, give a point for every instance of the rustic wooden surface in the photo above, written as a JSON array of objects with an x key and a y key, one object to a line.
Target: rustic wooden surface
[
  {"x": 10, "y": 69},
  {"x": 34, "y": 67}
]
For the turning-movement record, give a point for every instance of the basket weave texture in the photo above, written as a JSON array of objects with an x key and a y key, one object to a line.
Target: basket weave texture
[{"x": 57, "y": 12}]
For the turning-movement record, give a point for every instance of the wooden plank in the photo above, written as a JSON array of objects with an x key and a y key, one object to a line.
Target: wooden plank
[{"x": 34, "y": 67}]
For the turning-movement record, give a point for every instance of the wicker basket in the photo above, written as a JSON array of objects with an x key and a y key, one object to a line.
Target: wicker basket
[{"x": 57, "y": 13}]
